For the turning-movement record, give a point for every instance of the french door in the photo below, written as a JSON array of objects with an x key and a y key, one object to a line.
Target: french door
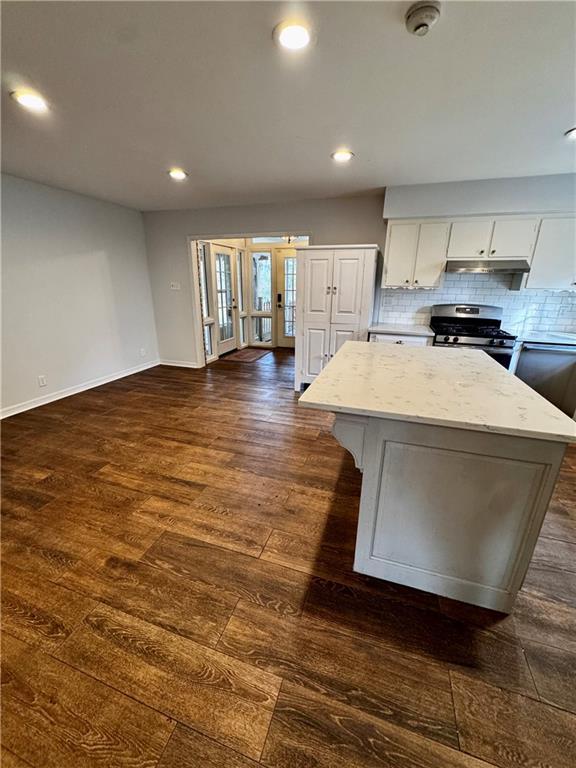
[
  {"x": 285, "y": 296},
  {"x": 224, "y": 271}
]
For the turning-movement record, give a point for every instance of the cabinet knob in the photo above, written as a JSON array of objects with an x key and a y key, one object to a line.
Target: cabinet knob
[
  {"x": 415, "y": 282},
  {"x": 481, "y": 252},
  {"x": 328, "y": 289},
  {"x": 334, "y": 289},
  {"x": 493, "y": 251},
  {"x": 399, "y": 342},
  {"x": 406, "y": 281}
]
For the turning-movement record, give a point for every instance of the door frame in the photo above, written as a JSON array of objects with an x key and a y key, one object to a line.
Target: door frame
[{"x": 194, "y": 284}]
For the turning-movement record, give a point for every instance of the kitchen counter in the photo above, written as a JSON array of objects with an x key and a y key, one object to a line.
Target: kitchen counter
[
  {"x": 547, "y": 337},
  {"x": 402, "y": 330},
  {"x": 459, "y": 461},
  {"x": 439, "y": 386}
]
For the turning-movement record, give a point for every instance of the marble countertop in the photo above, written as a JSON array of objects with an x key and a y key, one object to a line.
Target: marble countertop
[
  {"x": 548, "y": 337},
  {"x": 402, "y": 330},
  {"x": 464, "y": 389}
]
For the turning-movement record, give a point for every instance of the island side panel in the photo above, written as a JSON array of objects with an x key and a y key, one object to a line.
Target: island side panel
[{"x": 450, "y": 511}]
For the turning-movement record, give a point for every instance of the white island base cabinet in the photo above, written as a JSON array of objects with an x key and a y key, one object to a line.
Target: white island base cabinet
[{"x": 449, "y": 511}]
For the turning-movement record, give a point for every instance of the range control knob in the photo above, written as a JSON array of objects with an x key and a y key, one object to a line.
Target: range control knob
[
  {"x": 446, "y": 339},
  {"x": 491, "y": 342},
  {"x": 455, "y": 340},
  {"x": 501, "y": 342}
]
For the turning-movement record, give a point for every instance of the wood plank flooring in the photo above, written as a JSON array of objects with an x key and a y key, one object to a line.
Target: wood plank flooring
[{"x": 177, "y": 592}]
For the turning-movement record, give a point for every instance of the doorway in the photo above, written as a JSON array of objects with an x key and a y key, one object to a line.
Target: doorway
[{"x": 246, "y": 288}]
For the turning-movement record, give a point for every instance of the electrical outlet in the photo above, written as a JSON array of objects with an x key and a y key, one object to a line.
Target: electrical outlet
[
  {"x": 142, "y": 351},
  {"x": 175, "y": 286},
  {"x": 42, "y": 381}
]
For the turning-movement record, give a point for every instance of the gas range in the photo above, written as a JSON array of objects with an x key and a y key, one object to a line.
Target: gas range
[{"x": 474, "y": 326}]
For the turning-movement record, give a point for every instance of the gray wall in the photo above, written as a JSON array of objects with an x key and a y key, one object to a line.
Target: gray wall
[
  {"x": 76, "y": 300},
  {"x": 328, "y": 221},
  {"x": 529, "y": 194}
]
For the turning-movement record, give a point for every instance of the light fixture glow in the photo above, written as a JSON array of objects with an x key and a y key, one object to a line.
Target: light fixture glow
[
  {"x": 178, "y": 174},
  {"x": 342, "y": 156},
  {"x": 571, "y": 134},
  {"x": 292, "y": 36},
  {"x": 30, "y": 100}
]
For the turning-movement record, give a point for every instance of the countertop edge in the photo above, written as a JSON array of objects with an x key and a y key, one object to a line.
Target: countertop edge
[{"x": 430, "y": 421}]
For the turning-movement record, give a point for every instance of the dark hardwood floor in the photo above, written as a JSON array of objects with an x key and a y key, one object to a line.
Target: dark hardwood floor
[{"x": 178, "y": 592}]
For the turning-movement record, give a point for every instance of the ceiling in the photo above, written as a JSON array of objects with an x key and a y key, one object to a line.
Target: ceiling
[{"x": 138, "y": 87}]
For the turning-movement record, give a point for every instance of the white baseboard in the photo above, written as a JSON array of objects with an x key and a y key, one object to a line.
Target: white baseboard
[
  {"x": 181, "y": 363},
  {"x": 12, "y": 410}
]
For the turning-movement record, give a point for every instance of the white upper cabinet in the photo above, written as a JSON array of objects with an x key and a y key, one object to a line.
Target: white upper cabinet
[
  {"x": 470, "y": 239},
  {"x": 513, "y": 238},
  {"x": 347, "y": 286},
  {"x": 415, "y": 254},
  {"x": 400, "y": 256},
  {"x": 318, "y": 286},
  {"x": 554, "y": 264},
  {"x": 431, "y": 254}
]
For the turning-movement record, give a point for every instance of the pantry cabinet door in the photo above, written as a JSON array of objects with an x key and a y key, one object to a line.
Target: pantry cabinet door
[
  {"x": 316, "y": 349},
  {"x": 554, "y": 264},
  {"x": 339, "y": 336},
  {"x": 513, "y": 239},
  {"x": 400, "y": 255},
  {"x": 470, "y": 239},
  {"x": 431, "y": 254},
  {"x": 347, "y": 286},
  {"x": 318, "y": 267}
]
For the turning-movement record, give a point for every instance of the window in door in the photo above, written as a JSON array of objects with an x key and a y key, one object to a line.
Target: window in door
[
  {"x": 289, "y": 296},
  {"x": 262, "y": 281},
  {"x": 224, "y": 296},
  {"x": 262, "y": 329}
]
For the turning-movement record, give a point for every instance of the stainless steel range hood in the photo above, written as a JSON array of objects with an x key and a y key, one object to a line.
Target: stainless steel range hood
[{"x": 489, "y": 266}]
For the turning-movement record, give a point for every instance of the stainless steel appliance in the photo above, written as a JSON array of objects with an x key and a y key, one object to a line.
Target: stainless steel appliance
[
  {"x": 472, "y": 326},
  {"x": 550, "y": 369}
]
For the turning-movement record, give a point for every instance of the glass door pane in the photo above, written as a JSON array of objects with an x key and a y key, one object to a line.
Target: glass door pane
[
  {"x": 262, "y": 281},
  {"x": 289, "y": 296},
  {"x": 224, "y": 295}
]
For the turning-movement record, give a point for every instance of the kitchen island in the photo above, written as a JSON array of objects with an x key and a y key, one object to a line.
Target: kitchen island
[{"x": 459, "y": 461}]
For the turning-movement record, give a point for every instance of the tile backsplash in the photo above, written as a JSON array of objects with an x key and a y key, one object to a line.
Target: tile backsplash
[{"x": 524, "y": 310}]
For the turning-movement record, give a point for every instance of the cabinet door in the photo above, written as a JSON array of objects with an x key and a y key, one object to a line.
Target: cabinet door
[
  {"x": 431, "y": 254},
  {"x": 347, "y": 286},
  {"x": 338, "y": 336},
  {"x": 400, "y": 255},
  {"x": 513, "y": 239},
  {"x": 470, "y": 239},
  {"x": 318, "y": 286},
  {"x": 316, "y": 349},
  {"x": 554, "y": 264}
]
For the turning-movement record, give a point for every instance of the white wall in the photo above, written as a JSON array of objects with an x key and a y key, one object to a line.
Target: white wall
[
  {"x": 529, "y": 194},
  {"x": 338, "y": 220},
  {"x": 76, "y": 300}
]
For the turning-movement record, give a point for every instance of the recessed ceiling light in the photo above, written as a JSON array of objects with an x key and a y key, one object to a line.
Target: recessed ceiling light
[
  {"x": 342, "y": 156},
  {"x": 178, "y": 174},
  {"x": 292, "y": 35},
  {"x": 571, "y": 134},
  {"x": 30, "y": 100}
]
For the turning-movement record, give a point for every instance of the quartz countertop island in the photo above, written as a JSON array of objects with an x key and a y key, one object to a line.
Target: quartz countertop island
[
  {"x": 458, "y": 388},
  {"x": 459, "y": 461}
]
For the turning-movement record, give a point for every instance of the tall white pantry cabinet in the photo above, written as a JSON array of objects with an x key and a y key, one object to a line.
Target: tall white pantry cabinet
[{"x": 334, "y": 302}]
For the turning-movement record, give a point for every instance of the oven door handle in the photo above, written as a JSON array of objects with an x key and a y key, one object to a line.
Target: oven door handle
[{"x": 570, "y": 348}]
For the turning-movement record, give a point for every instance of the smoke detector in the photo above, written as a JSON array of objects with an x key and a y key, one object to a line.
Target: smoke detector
[{"x": 422, "y": 16}]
